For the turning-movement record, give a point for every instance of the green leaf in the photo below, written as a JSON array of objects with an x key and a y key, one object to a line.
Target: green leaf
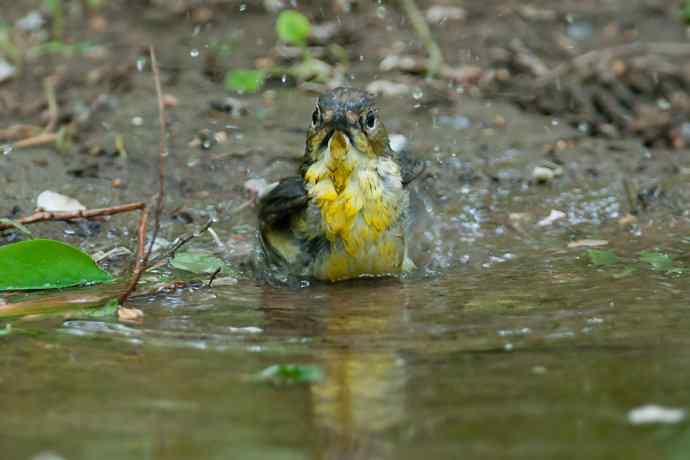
[
  {"x": 107, "y": 310},
  {"x": 291, "y": 373},
  {"x": 7, "y": 330},
  {"x": 46, "y": 264},
  {"x": 658, "y": 260},
  {"x": 686, "y": 11},
  {"x": 245, "y": 80},
  {"x": 293, "y": 27},
  {"x": 197, "y": 262},
  {"x": 602, "y": 257},
  {"x": 661, "y": 262}
]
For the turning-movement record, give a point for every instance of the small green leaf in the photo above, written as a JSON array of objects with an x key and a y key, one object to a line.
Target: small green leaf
[
  {"x": 602, "y": 257},
  {"x": 7, "y": 330},
  {"x": 291, "y": 373},
  {"x": 245, "y": 80},
  {"x": 661, "y": 262},
  {"x": 107, "y": 310},
  {"x": 197, "y": 262},
  {"x": 46, "y": 264},
  {"x": 686, "y": 11},
  {"x": 657, "y": 260},
  {"x": 293, "y": 27}
]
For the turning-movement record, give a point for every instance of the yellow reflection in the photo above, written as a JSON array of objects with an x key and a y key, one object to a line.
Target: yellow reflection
[{"x": 363, "y": 394}]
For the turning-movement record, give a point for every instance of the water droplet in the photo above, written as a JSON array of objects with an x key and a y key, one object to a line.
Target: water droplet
[
  {"x": 283, "y": 79},
  {"x": 580, "y": 30},
  {"x": 141, "y": 63},
  {"x": 417, "y": 93},
  {"x": 194, "y": 52},
  {"x": 685, "y": 130},
  {"x": 456, "y": 122}
]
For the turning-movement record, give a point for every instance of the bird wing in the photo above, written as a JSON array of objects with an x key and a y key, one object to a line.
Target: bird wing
[
  {"x": 286, "y": 198},
  {"x": 410, "y": 168}
]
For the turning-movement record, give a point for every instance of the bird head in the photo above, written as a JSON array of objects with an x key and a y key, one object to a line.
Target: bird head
[{"x": 345, "y": 119}]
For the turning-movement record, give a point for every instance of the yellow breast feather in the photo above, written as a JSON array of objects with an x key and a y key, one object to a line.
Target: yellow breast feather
[{"x": 359, "y": 197}]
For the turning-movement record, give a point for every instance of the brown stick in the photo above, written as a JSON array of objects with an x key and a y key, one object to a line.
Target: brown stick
[
  {"x": 35, "y": 141},
  {"x": 142, "y": 259},
  {"x": 421, "y": 28},
  {"x": 45, "y": 216},
  {"x": 179, "y": 242},
  {"x": 161, "y": 151},
  {"x": 53, "y": 109},
  {"x": 48, "y": 136}
]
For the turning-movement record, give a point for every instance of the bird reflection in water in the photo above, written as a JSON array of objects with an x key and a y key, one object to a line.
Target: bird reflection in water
[{"x": 361, "y": 326}]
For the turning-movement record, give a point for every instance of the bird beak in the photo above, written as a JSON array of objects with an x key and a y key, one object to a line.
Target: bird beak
[{"x": 338, "y": 145}]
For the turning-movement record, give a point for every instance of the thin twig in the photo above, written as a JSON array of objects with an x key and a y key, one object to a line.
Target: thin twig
[
  {"x": 179, "y": 242},
  {"x": 140, "y": 261},
  {"x": 19, "y": 132},
  {"x": 424, "y": 33},
  {"x": 35, "y": 141},
  {"x": 53, "y": 109},
  {"x": 142, "y": 255},
  {"x": 45, "y": 216},
  {"x": 213, "y": 277},
  {"x": 161, "y": 152}
]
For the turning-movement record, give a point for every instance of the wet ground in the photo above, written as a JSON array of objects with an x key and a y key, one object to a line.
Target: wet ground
[{"x": 511, "y": 341}]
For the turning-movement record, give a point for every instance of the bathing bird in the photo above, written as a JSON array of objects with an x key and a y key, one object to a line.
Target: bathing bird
[{"x": 346, "y": 214}]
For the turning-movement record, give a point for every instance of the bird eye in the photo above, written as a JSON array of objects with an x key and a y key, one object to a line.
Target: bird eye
[
  {"x": 316, "y": 117},
  {"x": 370, "y": 121}
]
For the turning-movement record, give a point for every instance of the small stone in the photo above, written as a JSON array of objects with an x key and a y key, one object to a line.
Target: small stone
[
  {"x": 225, "y": 281},
  {"x": 7, "y": 70},
  {"x": 129, "y": 314},
  {"x": 387, "y": 88},
  {"x": 98, "y": 24},
  {"x": 221, "y": 137},
  {"x": 627, "y": 219},
  {"x": 31, "y": 22},
  {"x": 587, "y": 244},
  {"x": 543, "y": 175},
  {"x": 169, "y": 101},
  {"x": 439, "y": 13},
  {"x": 652, "y": 413},
  {"x": 55, "y": 202},
  {"x": 551, "y": 218}
]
